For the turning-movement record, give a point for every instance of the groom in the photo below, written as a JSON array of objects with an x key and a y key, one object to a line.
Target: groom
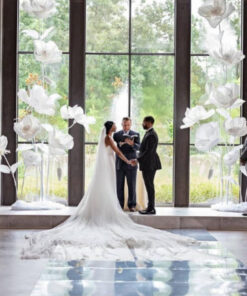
[
  {"x": 149, "y": 162},
  {"x": 128, "y": 142}
]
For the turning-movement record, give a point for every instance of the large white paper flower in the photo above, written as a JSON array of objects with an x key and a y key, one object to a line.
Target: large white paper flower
[
  {"x": 194, "y": 115},
  {"x": 47, "y": 52},
  {"x": 39, "y": 8},
  {"x": 236, "y": 126},
  {"x": 39, "y": 100},
  {"x": 232, "y": 156},
  {"x": 215, "y": 11},
  {"x": 78, "y": 115},
  {"x": 3, "y": 145},
  {"x": 228, "y": 56},
  {"x": 27, "y": 127},
  {"x": 31, "y": 158},
  {"x": 207, "y": 136},
  {"x": 68, "y": 112},
  {"x": 225, "y": 96},
  {"x": 59, "y": 142},
  {"x": 6, "y": 169}
]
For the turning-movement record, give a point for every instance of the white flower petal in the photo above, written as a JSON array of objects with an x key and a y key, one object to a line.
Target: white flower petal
[
  {"x": 31, "y": 33},
  {"x": 236, "y": 126},
  {"x": 47, "y": 127},
  {"x": 39, "y": 8},
  {"x": 64, "y": 112},
  {"x": 47, "y": 52},
  {"x": 207, "y": 136},
  {"x": 215, "y": 11},
  {"x": 27, "y": 127},
  {"x": 195, "y": 114},
  {"x": 40, "y": 101},
  {"x": 4, "y": 169},
  {"x": 55, "y": 97},
  {"x": 228, "y": 57},
  {"x": 224, "y": 96},
  {"x": 31, "y": 158},
  {"x": 59, "y": 142},
  {"x": 24, "y": 147},
  {"x": 14, "y": 167},
  {"x": 22, "y": 94},
  {"x": 3, "y": 144},
  {"x": 238, "y": 103}
]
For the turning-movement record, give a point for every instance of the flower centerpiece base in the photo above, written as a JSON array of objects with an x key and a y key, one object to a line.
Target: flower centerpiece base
[
  {"x": 21, "y": 205},
  {"x": 230, "y": 207}
]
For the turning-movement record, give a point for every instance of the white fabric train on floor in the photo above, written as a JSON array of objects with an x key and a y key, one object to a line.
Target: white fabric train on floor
[{"x": 99, "y": 229}]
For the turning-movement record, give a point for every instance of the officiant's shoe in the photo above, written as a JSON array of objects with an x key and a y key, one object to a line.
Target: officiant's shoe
[
  {"x": 132, "y": 209},
  {"x": 148, "y": 212}
]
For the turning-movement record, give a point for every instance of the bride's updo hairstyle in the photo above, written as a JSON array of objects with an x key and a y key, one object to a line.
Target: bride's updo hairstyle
[{"x": 108, "y": 125}]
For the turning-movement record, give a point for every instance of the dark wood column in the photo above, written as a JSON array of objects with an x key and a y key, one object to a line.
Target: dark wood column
[
  {"x": 243, "y": 179},
  {"x": 181, "y": 101},
  {"x": 77, "y": 96},
  {"x": 9, "y": 66}
]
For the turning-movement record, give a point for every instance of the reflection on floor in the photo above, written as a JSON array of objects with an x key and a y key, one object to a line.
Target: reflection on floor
[{"x": 225, "y": 276}]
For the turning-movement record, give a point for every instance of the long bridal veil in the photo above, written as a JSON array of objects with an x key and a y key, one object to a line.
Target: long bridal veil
[{"x": 99, "y": 229}]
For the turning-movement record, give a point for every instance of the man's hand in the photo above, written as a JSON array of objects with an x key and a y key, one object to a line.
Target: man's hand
[
  {"x": 133, "y": 162},
  {"x": 121, "y": 144},
  {"x": 129, "y": 142}
]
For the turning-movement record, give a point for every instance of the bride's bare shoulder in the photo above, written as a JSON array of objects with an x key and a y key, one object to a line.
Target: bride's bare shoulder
[{"x": 108, "y": 140}]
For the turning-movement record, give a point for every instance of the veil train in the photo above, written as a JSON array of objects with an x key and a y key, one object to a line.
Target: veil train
[{"x": 100, "y": 230}]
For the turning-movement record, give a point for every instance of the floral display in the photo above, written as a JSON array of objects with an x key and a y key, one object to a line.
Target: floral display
[
  {"x": 39, "y": 100},
  {"x": 48, "y": 142},
  {"x": 207, "y": 136},
  {"x": 194, "y": 115},
  {"x": 27, "y": 127},
  {"x": 236, "y": 126},
  {"x": 220, "y": 124},
  {"x": 225, "y": 96},
  {"x": 47, "y": 52},
  {"x": 215, "y": 11},
  {"x": 77, "y": 114}
]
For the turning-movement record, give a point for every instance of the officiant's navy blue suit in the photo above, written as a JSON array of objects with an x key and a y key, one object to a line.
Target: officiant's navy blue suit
[{"x": 125, "y": 170}]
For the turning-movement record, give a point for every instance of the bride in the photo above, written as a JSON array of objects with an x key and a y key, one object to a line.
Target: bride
[{"x": 99, "y": 229}]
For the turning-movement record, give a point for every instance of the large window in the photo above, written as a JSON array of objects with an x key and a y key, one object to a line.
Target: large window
[
  {"x": 122, "y": 58},
  {"x": 54, "y": 78},
  {"x": 129, "y": 72},
  {"x": 205, "y": 173}
]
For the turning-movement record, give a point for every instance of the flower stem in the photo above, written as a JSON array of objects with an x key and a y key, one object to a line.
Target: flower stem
[
  {"x": 23, "y": 181},
  {"x": 48, "y": 174},
  {"x": 13, "y": 176},
  {"x": 72, "y": 125},
  {"x": 42, "y": 178},
  {"x": 220, "y": 38}
]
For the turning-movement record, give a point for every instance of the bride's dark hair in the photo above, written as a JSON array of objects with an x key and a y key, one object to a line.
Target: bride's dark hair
[{"x": 108, "y": 125}]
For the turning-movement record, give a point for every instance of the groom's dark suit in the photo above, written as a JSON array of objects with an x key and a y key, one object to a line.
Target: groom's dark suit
[
  {"x": 125, "y": 170},
  {"x": 149, "y": 163}
]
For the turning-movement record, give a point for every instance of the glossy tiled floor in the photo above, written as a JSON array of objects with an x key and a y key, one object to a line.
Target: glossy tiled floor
[{"x": 224, "y": 276}]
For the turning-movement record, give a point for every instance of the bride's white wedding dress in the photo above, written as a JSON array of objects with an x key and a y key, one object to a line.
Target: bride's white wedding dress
[{"x": 99, "y": 229}]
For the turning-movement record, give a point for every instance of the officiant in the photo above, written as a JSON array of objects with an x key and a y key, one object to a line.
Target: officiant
[{"x": 128, "y": 142}]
